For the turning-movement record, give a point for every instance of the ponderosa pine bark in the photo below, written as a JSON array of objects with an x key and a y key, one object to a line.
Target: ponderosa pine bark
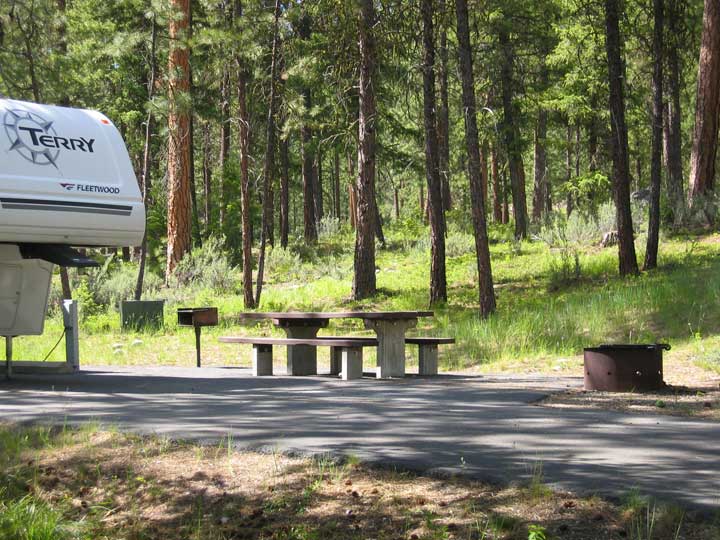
[
  {"x": 179, "y": 219},
  {"x": 619, "y": 141},
  {"x": 483, "y": 173},
  {"x": 673, "y": 121},
  {"x": 497, "y": 188},
  {"x": 207, "y": 179},
  {"x": 707, "y": 106},
  {"x": 438, "y": 279},
  {"x": 352, "y": 190},
  {"x": 569, "y": 200},
  {"x": 540, "y": 188},
  {"x": 482, "y": 246},
  {"x": 443, "y": 117},
  {"x": 307, "y": 151},
  {"x": 269, "y": 163},
  {"x": 318, "y": 188},
  {"x": 245, "y": 202},
  {"x": 512, "y": 137},
  {"x": 364, "y": 281},
  {"x": 284, "y": 192},
  {"x": 147, "y": 156},
  {"x": 336, "y": 183},
  {"x": 225, "y": 97},
  {"x": 244, "y": 145},
  {"x": 651, "y": 249}
]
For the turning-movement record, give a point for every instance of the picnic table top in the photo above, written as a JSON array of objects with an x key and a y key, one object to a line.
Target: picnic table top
[{"x": 310, "y": 315}]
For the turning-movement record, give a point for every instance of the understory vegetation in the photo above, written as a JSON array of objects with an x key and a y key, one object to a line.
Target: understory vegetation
[
  {"x": 557, "y": 293},
  {"x": 96, "y": 483}
]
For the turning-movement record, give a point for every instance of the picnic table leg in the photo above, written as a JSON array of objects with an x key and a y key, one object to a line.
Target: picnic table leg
[
  {"x": 351, "y": 363},
  {"x": 428, "y": 359},
  {"x": 302, "y": 359},
  {"x": 335, "y": 360},
  {"x": 262, "y": 361},
  {"x": 391, "y": 345}
]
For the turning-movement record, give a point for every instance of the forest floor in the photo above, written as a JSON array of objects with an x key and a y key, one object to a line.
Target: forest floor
[
  {"x": 548, "y": 310},
  {"x": 101, "y": 484}
]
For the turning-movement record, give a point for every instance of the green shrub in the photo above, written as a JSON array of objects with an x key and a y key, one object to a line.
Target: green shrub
[
  {"x": 207, "y": 267},
  {"x": 120, "y": 285},
  {"x": 283, "y": 264},
  {"x": 459, "y": 243},
  {"x": 88, "y": 307},
  {"x": 328, "y": 227}
]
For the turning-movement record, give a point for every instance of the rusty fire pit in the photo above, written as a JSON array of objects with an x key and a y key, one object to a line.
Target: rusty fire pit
[{"x": 624, "y": 368}]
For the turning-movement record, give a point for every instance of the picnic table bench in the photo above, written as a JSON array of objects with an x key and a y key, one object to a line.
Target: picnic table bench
[
  {"x": 389, "y": 328},
  {"x": 345, "y": 352}
]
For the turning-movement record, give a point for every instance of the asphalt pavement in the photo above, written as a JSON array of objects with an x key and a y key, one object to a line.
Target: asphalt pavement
[{"x": 490, "y": 428}]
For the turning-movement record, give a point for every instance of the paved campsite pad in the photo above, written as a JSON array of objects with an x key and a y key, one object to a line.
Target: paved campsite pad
[{"x": 481, "y": 426}]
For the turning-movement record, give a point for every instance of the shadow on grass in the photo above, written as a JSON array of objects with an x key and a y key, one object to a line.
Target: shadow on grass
[{"x": 672, "y": 303}]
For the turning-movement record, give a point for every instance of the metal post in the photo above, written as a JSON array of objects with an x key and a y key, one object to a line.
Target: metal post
[
  {"x": 8, "y": 357},
  {"x": 72, "y": 341},
  {"x": 198, "y": 329}
]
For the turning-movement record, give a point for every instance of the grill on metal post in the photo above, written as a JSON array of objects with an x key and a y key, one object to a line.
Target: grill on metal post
[{"x": 197, "y": 318}]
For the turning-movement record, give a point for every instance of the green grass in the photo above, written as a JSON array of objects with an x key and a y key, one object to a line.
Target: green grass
[{"x": 541, "y": 316}]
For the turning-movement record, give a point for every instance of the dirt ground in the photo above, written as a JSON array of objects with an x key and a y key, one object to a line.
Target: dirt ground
[
  {"x": 691, "y": 391},
  {"x": 121, "y": 486}
]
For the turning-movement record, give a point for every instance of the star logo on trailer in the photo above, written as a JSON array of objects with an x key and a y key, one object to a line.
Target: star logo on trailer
[{"x": 24, "y": 130}]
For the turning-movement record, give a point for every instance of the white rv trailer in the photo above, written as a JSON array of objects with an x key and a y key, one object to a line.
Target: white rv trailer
[{"x": 65, "y": 180}]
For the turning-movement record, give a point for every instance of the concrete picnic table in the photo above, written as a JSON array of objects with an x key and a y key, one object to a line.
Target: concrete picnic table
[{"x": 389, "y": 327}]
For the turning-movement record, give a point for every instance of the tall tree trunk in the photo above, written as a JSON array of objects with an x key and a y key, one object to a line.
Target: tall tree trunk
[
  {"x": 284, "y": 192},
  {"x": 497, "y": 188},
  {"x": 379, "y": 234},
  {"x": 179, "y": 223},
  {"x": 483, "y": 172},
  {"x": 269, "y": 164},
  {"x": 318, "y": 188},
  {"x": 619, "y": 141},
  {"x": 147, "y": 156},
  {"x": 195, "y": 219},
  {"x": 438, "y": 279},
  {"x": 352, "y": 191},
  {"x": 196, "y": 236},
  {"x": 512, "y": 137},
  {"x": 673, "y": 124},
  {"x": 207, "y": 179},
  {"x": 569, "y": 203},
  {"x": 651, "y": 250},
  {"x": 707, "y": 106},
  {"x": 364, "y": 282},
  {"x": 65, "y": 101},
  {"x": 245, "y": 200},
  {"x": 308, "y": 155},
  {"x": 336, "y": 183},
  {"x": 482, "y": 247},
  {"x": 308, "y": 175},
  {"x": 396, "y": 202},
  {"x": 224, "y": 142},
  {"x": 540, "y": 167},
  {"x": 443, "y": 120}
]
